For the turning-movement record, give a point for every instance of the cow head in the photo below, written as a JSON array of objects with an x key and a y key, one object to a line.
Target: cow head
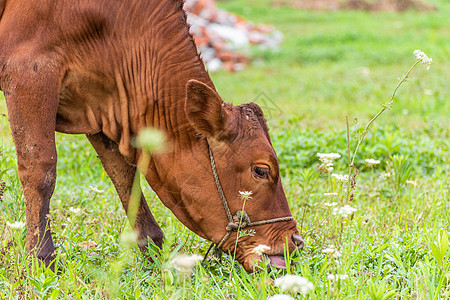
[{"x": 245, "y": 161}]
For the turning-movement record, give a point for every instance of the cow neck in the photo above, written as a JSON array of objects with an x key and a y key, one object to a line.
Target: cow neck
[
  {"x": 153, "y": 75},
  {"x": 152, "y": 79}
]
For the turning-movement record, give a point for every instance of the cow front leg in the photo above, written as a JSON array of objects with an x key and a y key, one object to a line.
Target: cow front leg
[
  {"x": 32, "y": 103},
  {"x": 122, "y": 175}
]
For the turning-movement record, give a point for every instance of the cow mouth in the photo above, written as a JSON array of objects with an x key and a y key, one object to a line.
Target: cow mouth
[{"x": 277, "y": 261}]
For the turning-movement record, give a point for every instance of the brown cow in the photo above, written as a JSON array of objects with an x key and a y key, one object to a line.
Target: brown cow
[{"x": 109, "y": 68}]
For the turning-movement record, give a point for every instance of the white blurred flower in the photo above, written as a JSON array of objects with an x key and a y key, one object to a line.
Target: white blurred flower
[
  {"x": 428, "y": 92},
  {"x": 280, "y": 297},
  {"x": 294, "y": 284},
  {"x": 344, "y": 211},
  {"x": 330, "y": 194},
  {"x": 185, "y": 263},
  {"x": 327, "y": 204},
  {"x": 260, "y": 249},
  {"x": 329, "y": 156},
  {"x": 95, "y": 190},
  {"x": 15, "y": 225},
  {"x": 411, "y": 182},
  {"x": 371, "y": 161},
  {"x": 129, "y": 238},
  {"x": 385, "y": 175},
  {"x": 340, "y": 177},
  {"x": 75, "y": 211},
  {"x": 420, "y": 55},
  {"x": 333, "y": 252},
  {"x": 337, "y": 277}
]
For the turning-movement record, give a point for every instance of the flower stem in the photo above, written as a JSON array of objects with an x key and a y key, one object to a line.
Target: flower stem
[{"x": 385, "y": 107}]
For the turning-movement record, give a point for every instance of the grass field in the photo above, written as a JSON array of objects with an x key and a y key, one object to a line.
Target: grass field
[{"x": 331, "y": 65}]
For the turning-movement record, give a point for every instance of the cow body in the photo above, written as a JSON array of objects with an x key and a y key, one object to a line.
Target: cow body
[{"x": 108, "y": 69}]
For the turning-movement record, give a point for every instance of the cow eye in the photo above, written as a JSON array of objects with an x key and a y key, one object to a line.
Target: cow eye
[{"x": 261, "y": 172}]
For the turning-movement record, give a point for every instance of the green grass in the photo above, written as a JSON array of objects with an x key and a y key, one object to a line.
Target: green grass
[{"x": 331, "y": 64}]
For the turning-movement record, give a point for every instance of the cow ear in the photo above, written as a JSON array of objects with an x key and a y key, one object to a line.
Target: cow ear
[{"x": 204, "y": 109}]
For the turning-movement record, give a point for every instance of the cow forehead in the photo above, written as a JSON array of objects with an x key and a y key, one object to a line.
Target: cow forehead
[{"x": 250, "y": 122}]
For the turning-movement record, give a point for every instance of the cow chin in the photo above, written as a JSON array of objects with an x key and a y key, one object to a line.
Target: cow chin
[
  {"x": 275, "y": 254},
  {"x": 251, "y": 262}
]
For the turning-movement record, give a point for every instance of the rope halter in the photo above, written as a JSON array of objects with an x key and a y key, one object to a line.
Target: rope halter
[{"x": 240, "y": 219}]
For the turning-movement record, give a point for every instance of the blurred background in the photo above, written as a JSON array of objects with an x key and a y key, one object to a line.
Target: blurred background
[{"x": 321, "y": 60}]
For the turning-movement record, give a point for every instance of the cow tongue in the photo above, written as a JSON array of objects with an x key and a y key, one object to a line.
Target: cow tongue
[{"x": 277, "y": 261}]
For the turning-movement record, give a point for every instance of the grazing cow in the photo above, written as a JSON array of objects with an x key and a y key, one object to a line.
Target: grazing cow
[{"x": 109, "y": 68}]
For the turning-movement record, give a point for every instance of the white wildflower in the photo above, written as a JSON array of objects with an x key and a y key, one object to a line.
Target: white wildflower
[
  {"x": 340, "y": 177},
  {"x": 294, "y": 283},
  {"x": 428, "y": 92},
  {"x": 75, "y": 211},
  {"x": 129, "y": 238},
  {"x": 371, "y": 161},
  {"x": 329, "y": 156},
  {"x": 333, "y": 252},
  {"x": 326, "y": 166},
  {"x": 330, "y": 194},
  {"x": 280, "y": 297},
  {"x": 15, "y": 225},
  {"x": 420, "y": 55},
  {"x": 344, "y": 211},
  {"x": 327, "y": 204},
  {"x": 185, "y": 263},
  {"x": 385, "y": 175},
  {"x": 411, "y": 182},
  {"x": 245, "y": 194},
  {"x": 95, "y": 190},
  {"x": 260, "y": 249},
  {"x": 333, "y": 277}
]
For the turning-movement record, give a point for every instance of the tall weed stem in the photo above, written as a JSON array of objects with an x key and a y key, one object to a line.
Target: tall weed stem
[{"x": 385, "y": 106}]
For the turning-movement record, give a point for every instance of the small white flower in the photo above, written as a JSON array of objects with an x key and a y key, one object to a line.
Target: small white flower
[
  {"x": 15, "y": 225},
  {"x": 95, "y": 190},
  {"x": 333, "y": 252},
  {"x": 344, "y": 211},
  {"x": 327, "y": 204},
  {"x": 185, "y": 263},
  {"x": 280, "y": 297},
  {"x": 294, "y": 283},
  {"x": 428, "y": 92},
  {"x": 371, "y": 161},
  {"x": 385, "y": 175},
  {"x": 260, "y": 249},
  {"x": 340, "y": 177},
  {"x": 128, "y": 238},
  {"x": 411, "y": 182},
  {"x": 75, "y": 211},
  {"x": 420, "y": 55},
  {"x": 330, "y": 194},
  {"x": 326, "y": 164},
  {"x": 245, "y": 194},
  {"x": 329, "y": 156},
  {"x": 333, "y": 277}
]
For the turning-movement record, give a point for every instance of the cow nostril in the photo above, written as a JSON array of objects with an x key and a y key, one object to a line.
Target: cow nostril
[{"x": 298, "y": 241}]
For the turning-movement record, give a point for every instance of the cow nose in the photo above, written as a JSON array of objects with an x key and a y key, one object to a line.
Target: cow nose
[{"x": 298, "y": 241}]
